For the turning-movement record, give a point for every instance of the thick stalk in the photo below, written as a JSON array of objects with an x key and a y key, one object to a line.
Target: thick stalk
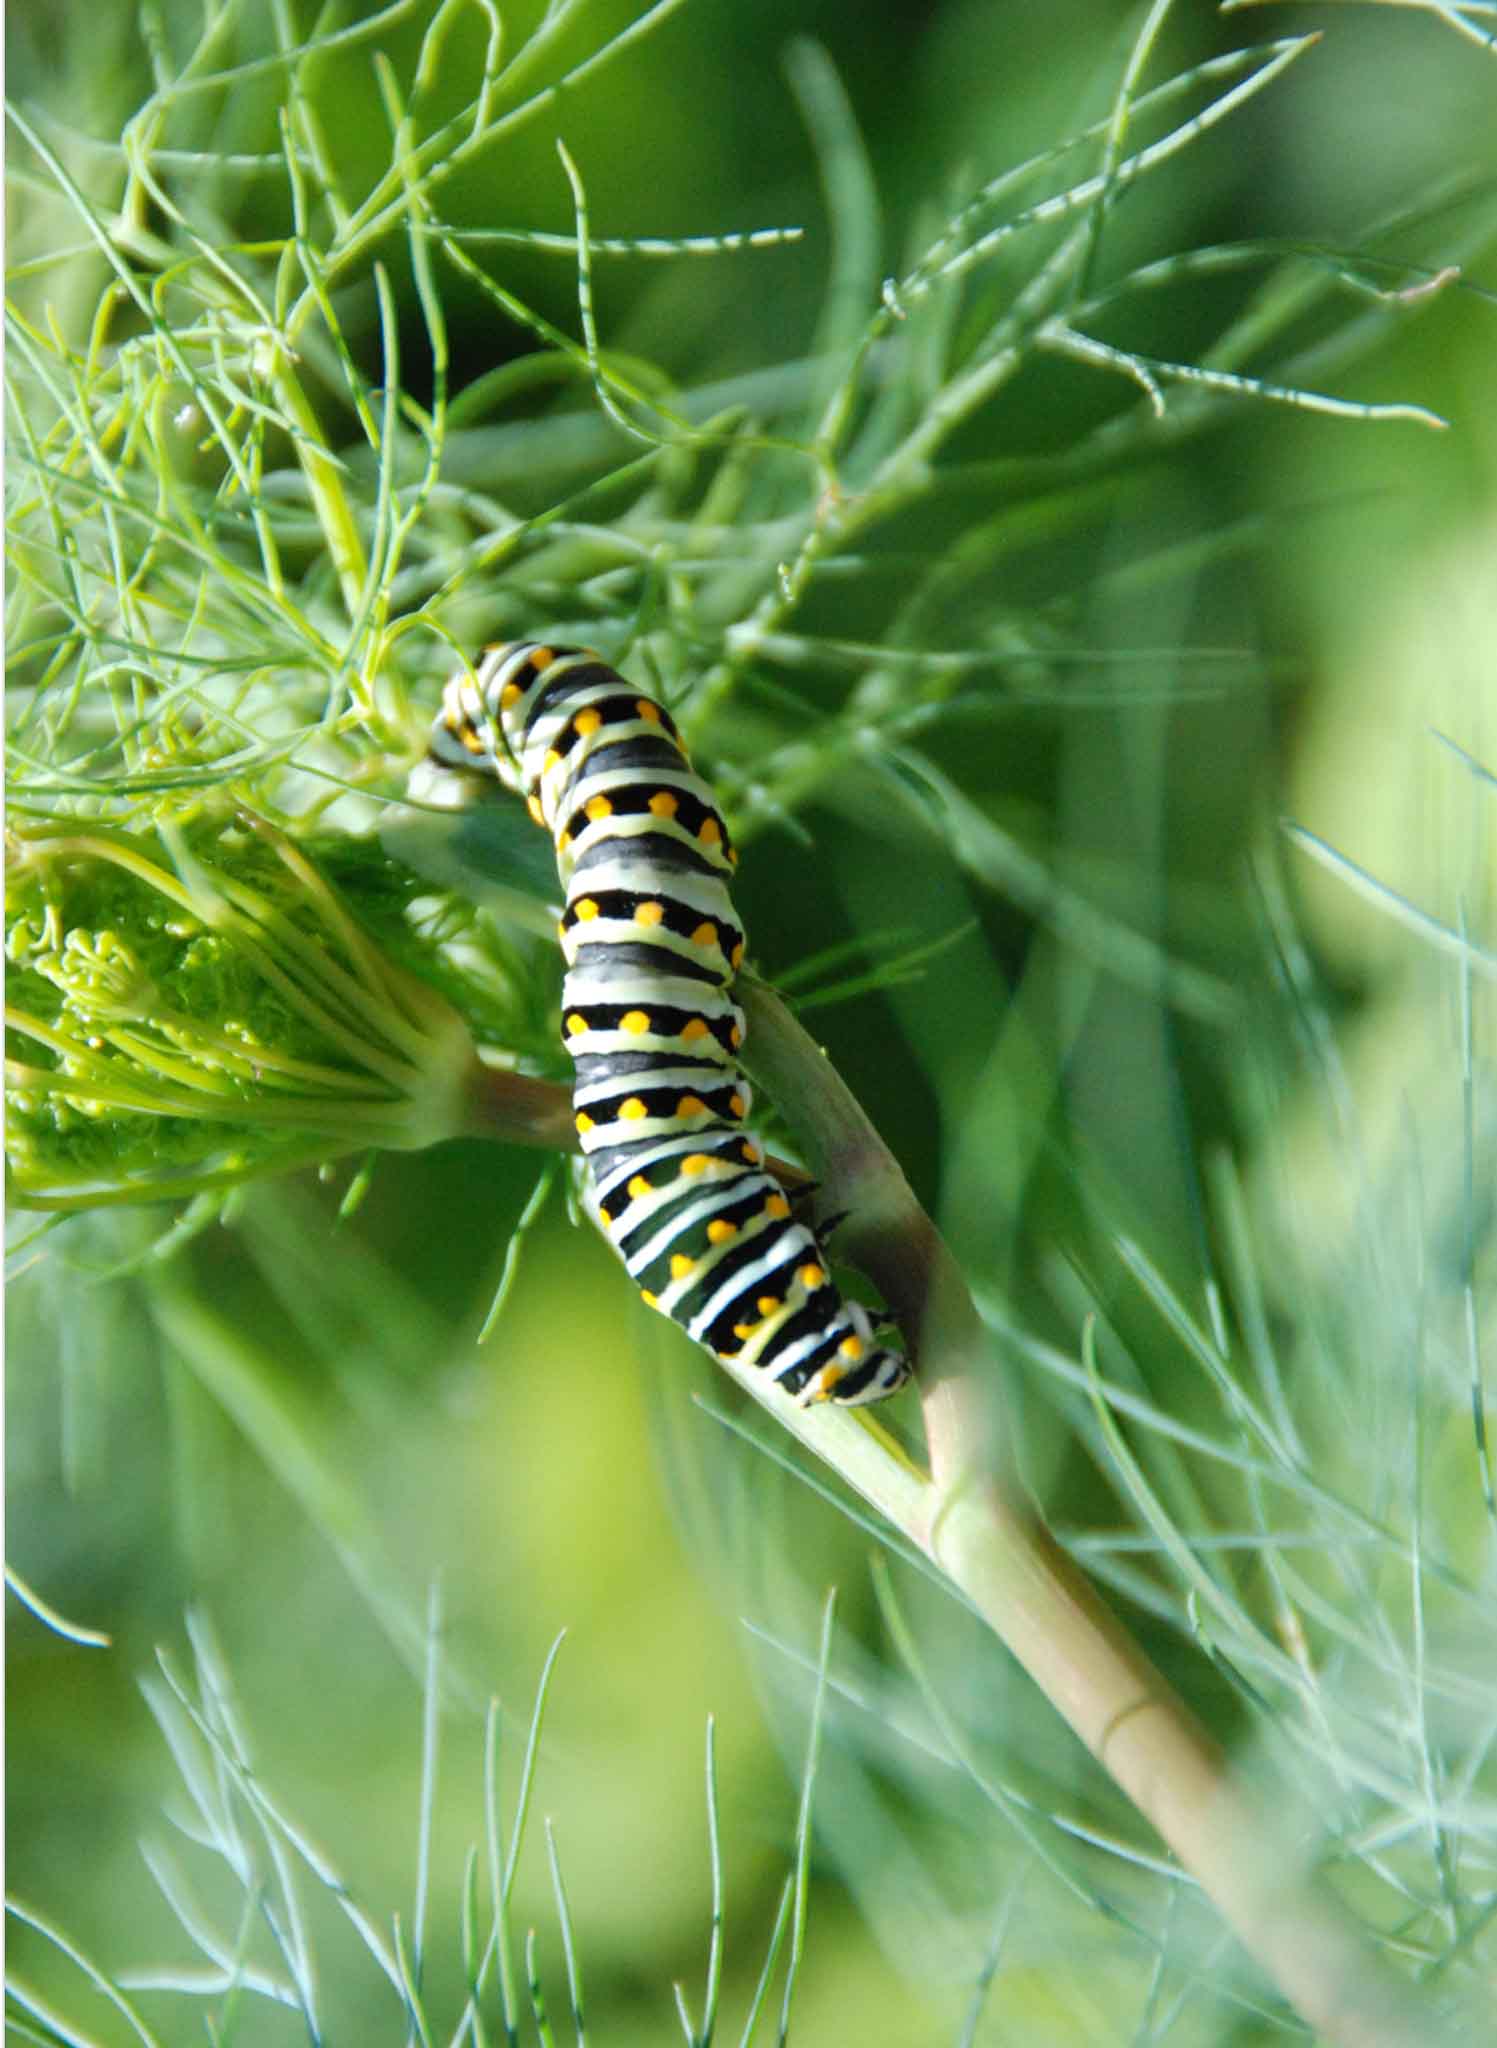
[{"x": 975, "y": 1520}]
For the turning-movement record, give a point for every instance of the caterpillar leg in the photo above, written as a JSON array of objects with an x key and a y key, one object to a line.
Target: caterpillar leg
[{"x": 875, "y": 1377}]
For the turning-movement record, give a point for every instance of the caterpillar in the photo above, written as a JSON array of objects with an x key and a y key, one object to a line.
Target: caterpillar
[{"x": 652, "y": 944}]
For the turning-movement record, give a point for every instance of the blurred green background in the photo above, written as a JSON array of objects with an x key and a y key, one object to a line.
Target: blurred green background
[{"x": 289, "y": 1428}]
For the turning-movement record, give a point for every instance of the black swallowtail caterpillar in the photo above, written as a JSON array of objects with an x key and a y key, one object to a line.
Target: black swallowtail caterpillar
[{"x": 652, "y": 945}]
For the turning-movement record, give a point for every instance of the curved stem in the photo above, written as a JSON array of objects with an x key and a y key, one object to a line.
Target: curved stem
[{"x": 974, "y": 1519}]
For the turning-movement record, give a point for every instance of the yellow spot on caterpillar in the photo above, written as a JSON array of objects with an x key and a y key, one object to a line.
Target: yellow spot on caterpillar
[
  {"x": 510, "y": 695},
  {"x": 695, "y": 1163},
  {"x": 735, "y": 958},
  {"x": 777, "y": 1207},
  {"x": 705, "y": 934},
  {"x": 561, "y": 932},
  {"x": 563, "y": 843},
  {"x": 696, "y": 1028},
  {"x": 750, "y": 1153},
  {"x": 584, "y": 910},
  {"x": 851, "y": 1346},
  {"x": 533, "y": 805},
  {"x": 735, "y": 1036},
  {"x": 767, "y": 1304},
  {"x": 736, "y": 1105},
  {"x": 469, "y": 739},
  {"x": 743, "y": 1331},
  {"x": 691, "y": 1105},
  {"x": 649, "y": 712},
  {"x": 598, "y": 807},
  {"x": 663, "y": 804},
  {"x": 586, "y": 723},
  {"x": 583, "y": 1122},
  {"x": 639, "y": 1187},
  {"x": 552, "y": 760},
  {"x": 631, "y": 1110},
  {"x": 681, "y": 1266},
  {"x": 720, "y": 1230},
  {"x": 710, "y": 832},
  {"x": 811, "y": 1277},
  {"x": 650, "y": 913},
  {"x": 647, "y": 1298},
  {"x": 635, "y": 1021},
  {"x": 541, "y": 659},
  {"x": 576, "y": 1024}
]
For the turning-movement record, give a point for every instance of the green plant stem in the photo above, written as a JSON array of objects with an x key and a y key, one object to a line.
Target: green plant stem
[
  {"x": 975, "y": 1520},
  {"x": 517, "y": 1110}
]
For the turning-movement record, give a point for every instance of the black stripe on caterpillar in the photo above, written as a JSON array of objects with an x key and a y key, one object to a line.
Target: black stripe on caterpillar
[{"x": 652, "y": 945}]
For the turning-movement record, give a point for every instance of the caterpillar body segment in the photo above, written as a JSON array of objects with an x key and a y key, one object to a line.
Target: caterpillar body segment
[{"x": 652, "y": 943}]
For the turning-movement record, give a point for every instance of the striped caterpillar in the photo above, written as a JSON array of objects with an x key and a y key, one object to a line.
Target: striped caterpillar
[{"x": 652, "y": 946}]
